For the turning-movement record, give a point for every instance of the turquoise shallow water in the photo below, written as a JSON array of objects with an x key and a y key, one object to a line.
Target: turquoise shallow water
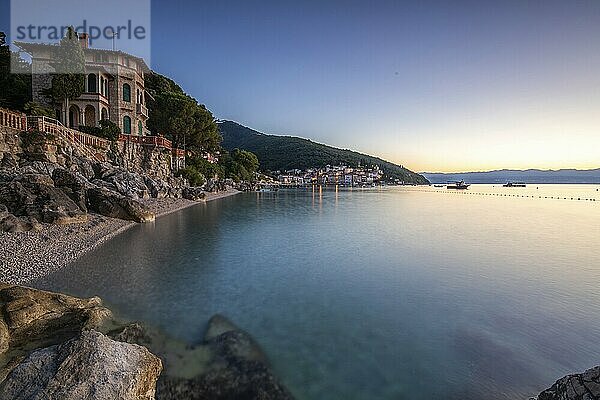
[{"x": 397, "y": 293}]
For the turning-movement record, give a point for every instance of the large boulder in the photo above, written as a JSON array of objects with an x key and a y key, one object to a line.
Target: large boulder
[
  {"x": 12, "y": 224},
  {"x": 9, "y": 161},
  {"x": 29, "y": 316},
  {"x": 194, "y": 193},
  {"x": 4, "y": 337},
  {"x": 84, "y": 167},
  {"x": 40, "y": 167},
  {"x": 229, "y": 362},
  {"x": 158, "y": 188},
  {"x": 238, "y": 369},
  {"x": 104, "y": 170},
  {"x": 129, "y": 184},
  {"x": 90, "y": 366},
  {"x": 584, "y": 386},
  {"x": 73, "y": 184},
  {"x": 111, "y": 204},
  {"x": 63, "y": 177},
  {"x": 34, "y": 195}
]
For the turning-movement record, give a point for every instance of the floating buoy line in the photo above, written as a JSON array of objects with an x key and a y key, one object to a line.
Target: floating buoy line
[{"x": 523, "y": 196}]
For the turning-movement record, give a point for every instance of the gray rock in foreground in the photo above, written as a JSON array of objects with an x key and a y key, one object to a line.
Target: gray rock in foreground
[
  {"x": 584, "y": 386},
  {"x": 111, "y": 204},
  {"x": 29, "y": 317},
  {"x": 90, "y": 366}
]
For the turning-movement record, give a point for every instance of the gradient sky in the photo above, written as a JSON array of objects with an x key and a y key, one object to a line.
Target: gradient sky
[{"x": 472, "y": 85}]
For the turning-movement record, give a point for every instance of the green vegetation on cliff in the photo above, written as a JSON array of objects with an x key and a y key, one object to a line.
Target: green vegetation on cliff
[
  {"x": 15, "y": 89},
  {"x": 286, "y": 152},
  {"x": 179, "y": 116}
]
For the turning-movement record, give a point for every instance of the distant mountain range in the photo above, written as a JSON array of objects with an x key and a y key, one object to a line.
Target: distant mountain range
[
  {"x": 528, "y": 176},
  {"x": 280, "y": 153}
]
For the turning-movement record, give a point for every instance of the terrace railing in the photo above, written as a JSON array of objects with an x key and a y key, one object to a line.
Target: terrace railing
[
  {"x": 158, "y": 141},
  {"x": 13, "y": 119}
]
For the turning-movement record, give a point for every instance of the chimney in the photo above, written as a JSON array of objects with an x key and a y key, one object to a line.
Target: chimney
[{"x": 84, "y": 40}]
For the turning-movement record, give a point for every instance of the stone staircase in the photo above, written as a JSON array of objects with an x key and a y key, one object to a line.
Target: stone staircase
[{"x": 88, "y": 146}]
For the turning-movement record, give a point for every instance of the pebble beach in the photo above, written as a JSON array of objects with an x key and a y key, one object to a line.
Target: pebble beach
[{"x": 26, "y": 256}]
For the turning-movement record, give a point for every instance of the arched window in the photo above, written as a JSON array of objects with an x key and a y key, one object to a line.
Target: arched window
[
  {"x": 127, "y": 93},
  {"x": 140, "y": 128},
  {"x": 127, "y": 125},
  {"x": 104, "y": 114},
  {"x": 92, "y": 87}
]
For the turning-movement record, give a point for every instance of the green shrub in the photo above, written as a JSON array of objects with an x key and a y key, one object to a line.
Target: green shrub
[
  {"x": 194, "y": 177},
  {"x": 37, "y": 110},
  {"x": 206, "y": 168},
  {"x": 107, "y": 130}
]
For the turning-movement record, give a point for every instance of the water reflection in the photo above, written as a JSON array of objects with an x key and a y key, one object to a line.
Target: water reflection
[{"x": 374, "y": 293}]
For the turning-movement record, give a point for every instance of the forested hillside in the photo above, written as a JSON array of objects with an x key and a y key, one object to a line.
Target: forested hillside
[{"x": 288, "y": 152}]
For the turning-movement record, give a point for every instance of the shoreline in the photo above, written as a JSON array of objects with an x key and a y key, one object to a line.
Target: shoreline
[{"x": 27, "y": 256}]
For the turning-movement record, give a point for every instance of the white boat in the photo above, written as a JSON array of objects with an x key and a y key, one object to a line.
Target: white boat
[{"x": 458, "y": 185}]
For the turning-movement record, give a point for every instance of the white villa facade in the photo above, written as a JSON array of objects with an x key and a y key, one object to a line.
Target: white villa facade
[{"x": 114, "y": 88}]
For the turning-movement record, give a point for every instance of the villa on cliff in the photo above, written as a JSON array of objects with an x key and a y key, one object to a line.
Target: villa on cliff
[
  {"x": 114, "y": 87},
  {"x": 114, "y": 91}
]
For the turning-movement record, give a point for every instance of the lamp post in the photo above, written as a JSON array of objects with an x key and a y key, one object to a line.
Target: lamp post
[{"x": 113, "y": 35}]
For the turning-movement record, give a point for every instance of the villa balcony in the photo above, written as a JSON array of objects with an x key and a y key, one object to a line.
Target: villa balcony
[
  {"x": 94, "y": 97},
  {"x": 142, "y": 110}
]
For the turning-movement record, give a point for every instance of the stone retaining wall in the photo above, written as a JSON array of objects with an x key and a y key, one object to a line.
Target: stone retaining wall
[
  {"x": 10, "y": 146},
  {"x": 150, "y": 160}
]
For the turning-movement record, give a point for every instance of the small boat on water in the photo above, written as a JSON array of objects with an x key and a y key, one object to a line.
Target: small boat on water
[
  {"x": 458, "y": 185},
  {"x": 439, "y": 186},
  {"x": 515, "y": 184}
]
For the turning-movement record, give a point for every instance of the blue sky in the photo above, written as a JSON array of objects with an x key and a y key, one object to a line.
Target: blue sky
[{"x": 435, "y": 86}]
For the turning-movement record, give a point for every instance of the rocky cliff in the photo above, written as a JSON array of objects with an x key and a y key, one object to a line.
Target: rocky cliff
[{"x": 44, "y": 179}]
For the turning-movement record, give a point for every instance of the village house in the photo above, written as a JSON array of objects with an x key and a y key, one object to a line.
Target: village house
[
  {"x": 333, "y": 175},
  {"x": 114, "y": 87}
]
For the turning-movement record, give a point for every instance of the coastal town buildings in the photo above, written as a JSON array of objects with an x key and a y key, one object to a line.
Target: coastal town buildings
[
  {"x": 332, "y": 175},
  {"x": 114, "y": 87}
]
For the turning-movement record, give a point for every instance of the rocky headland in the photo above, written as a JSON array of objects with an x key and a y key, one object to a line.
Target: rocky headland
[
  {"x": 51, "y": 214},
  {"x": 57, "y": 201}
]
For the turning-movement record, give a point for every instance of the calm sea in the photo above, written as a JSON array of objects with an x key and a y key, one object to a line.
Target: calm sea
[{"x": 394, "y": 293}]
